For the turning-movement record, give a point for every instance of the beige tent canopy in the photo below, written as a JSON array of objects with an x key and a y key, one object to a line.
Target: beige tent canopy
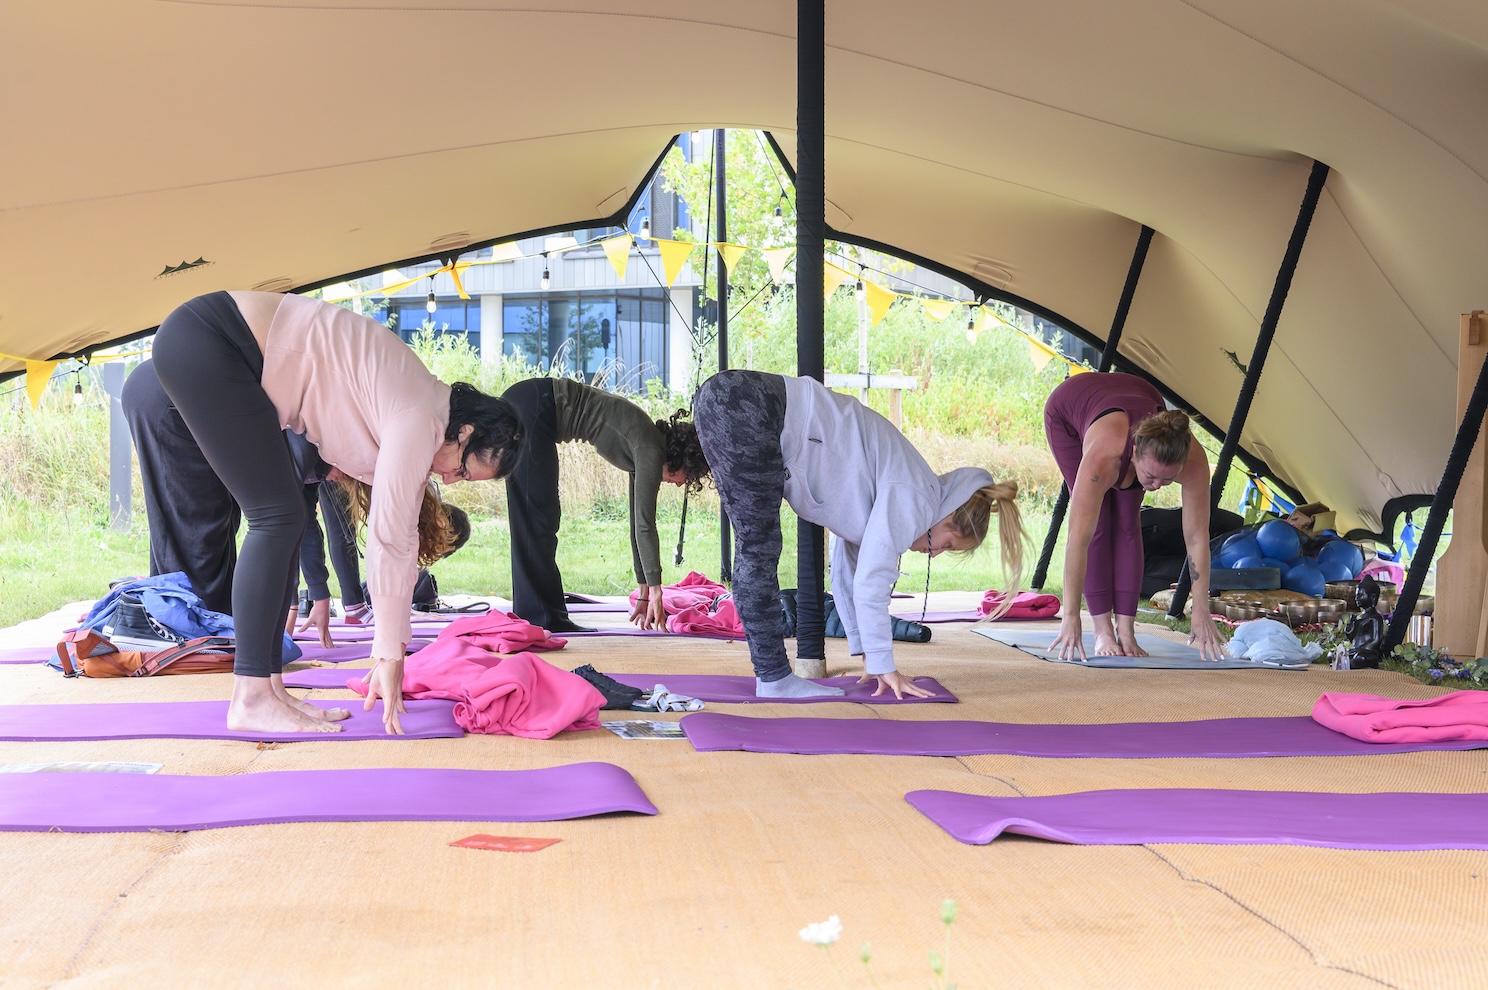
[{"x": 288, "y": 144}]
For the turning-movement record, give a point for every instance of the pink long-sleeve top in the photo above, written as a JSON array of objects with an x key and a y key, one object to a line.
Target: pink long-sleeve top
[{"x": 365, "y": 399}]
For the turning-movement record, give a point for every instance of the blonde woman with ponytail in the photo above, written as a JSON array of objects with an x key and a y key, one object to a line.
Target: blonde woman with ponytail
[
  {"x": 1114, "y": 441},
  {"x": 845, "y": 468}
]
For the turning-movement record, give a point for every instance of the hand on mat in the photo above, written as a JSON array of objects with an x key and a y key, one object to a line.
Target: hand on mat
[
  {"x": 1070, "y": 643},
  {"x": 320, "y": 619},
  {"x": 900, "y": 684},
  {"x": 385, "y": 681},
  {"x": 1206, "y": 638},
  {"x": 648, "y": 612}
]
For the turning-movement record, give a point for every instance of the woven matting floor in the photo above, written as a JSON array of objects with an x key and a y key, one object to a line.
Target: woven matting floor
[{"x": 747, "y": 849}]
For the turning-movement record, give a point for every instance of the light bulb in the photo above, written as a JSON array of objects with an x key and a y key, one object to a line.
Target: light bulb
[
  {"x": 778, "y": 211},
  {"x": 645, "y": 228},
  {"x": 861, "y": 288},
  {"x": 970, "y": 335},
  {"x": 971, "y": 314},
  {"x": 547, "y": 279},
  {"x": 77, "y": 394},
  {"x": 431, "y": 305}
]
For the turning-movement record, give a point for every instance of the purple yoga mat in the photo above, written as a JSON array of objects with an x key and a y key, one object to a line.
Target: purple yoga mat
[
  {"x": 28, "y": 654},
  {"x": 344, "y": 653},
  {"x": 712, "y": 688},
  {"x": 106, "y": 802},
  {"x": 365, "y": 634},
  {"x": 1294, "y": 818},
  {"x": 575, "y": 608},
  {"x": 1224, "y": 738},
  {"x": 965, "y": 615},
  {"x": 206, "y": 720}
]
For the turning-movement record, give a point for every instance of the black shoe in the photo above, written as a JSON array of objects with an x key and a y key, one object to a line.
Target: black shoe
[
  {"x": 616, "y": 695},
  {"x": 132, "y": 628},
  {"x": 567, "y": 625},
  {"x": 305, "y": 604}
]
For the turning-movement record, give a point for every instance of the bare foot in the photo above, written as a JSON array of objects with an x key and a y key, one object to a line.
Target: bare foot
[
  {"x": 304, "y": 707},
  {"x": 1106, "y": 646},
  {"x": 269, "y": 714},
  {"x": 1129, "y": 647}
]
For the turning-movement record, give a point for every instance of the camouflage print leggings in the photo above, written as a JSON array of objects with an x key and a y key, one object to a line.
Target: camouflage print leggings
[{"x": 739, "y": 416}]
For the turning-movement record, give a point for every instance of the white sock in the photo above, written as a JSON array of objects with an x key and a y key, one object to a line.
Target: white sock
[{"x": 791, "y": 686}]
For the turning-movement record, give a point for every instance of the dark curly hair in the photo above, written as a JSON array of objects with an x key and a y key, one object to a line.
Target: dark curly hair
[
  {"x": 459, "y": 523},
  {"x": 498, "y": 435},
  {"x": 683, "y": 451}
]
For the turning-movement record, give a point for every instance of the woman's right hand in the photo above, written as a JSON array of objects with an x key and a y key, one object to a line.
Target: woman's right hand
[
  {"x": 385, "y": 681},
  {"x": 1070, "y": 643}
]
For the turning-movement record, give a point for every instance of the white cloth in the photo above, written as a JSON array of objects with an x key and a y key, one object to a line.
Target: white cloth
[{"x": 1267, "y": 639}]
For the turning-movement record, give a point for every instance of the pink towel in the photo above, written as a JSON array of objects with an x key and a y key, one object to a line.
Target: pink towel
[
  {"x": 1459, "y": 715},
  {"x": 699, "y": 620},
  {"x": 502, "y": 632},
  {"x": 1028, "y": 605},
  {"x": 517, "y": 695},
  {"x": 691, "y": 591}
]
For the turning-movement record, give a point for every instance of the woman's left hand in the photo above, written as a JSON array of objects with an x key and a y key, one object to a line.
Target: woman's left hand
[
  {"x": 649, "y": 612},
  {"x": 1205, "y": 636},
  {"x": 900, "y": 684},
  {"x": 385, "y": 681}
]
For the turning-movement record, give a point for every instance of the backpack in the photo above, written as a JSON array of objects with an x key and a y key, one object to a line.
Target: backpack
[{"x": 85, "y": 653}]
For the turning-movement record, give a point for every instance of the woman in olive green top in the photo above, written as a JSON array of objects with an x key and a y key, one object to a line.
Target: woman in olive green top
[{"x": 557, "y": 410}]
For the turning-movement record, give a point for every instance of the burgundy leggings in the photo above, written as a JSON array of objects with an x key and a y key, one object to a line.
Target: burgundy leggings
[{"x": 1113, "y": 564}]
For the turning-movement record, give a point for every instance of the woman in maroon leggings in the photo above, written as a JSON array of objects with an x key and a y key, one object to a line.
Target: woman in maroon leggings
[{"x": 1115, "y": 441}]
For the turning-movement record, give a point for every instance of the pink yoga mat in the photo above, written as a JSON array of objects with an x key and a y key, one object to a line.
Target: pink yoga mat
[
  {"x": 107, "y": 802},
  {"x": 1224, "y": 738},
  {"x": 206, "y": 720},
  {"x": 1294, "y": 818},
  {"x": 712, "y": 688}
]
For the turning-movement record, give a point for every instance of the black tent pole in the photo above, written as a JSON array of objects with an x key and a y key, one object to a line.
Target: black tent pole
[
  {"x": 1441, "y": 504},
  {"x": 1253, "y": 370},
  {"x": 811, "y": 223},
  {"x": 725, "y": 534},
  {"x": 1107, "y": 358}
]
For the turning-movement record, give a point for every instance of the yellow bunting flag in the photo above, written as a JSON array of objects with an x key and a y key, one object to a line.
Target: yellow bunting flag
[
  {"x": 777, "y": 259},
  {"x": 454, "y": 271},
  {"x": 617, "y": 249},
  {"x": 674, "y": 255},
  {"x": 879, "y": 301},
  {"x": 832, "y": 278},
  {"x": 731, "y": 254},
  {"x": 1077, "y": 369},
  {"x": 38, "y": 373},
  {"x": 937, "y": 309},
  {"x": 1040, "y": 355}
]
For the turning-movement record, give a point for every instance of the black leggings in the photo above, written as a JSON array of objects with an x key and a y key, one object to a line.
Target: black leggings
[
  {"x": 533, "y": 509},
  {"x": 210, "y": 366}
]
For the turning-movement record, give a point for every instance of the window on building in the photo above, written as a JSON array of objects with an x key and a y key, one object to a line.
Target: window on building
[
  {"x": 456, "y": 316},
  {"x": 617, "y": 338}
]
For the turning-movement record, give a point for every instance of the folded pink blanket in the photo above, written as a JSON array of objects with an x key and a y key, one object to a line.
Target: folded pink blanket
[
  {"x": 702, "y": 620},
  {"x": 1028, "y": 605},
  {"x": 690, "y": 592},
  {"x": 1459, "y": 715},
  {"x": 501, "y": 632}
]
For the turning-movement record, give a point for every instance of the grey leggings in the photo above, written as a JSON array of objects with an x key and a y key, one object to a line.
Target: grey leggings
[
  {"x": 210, "y": 365},
  {"x": 739, "y": 416}
]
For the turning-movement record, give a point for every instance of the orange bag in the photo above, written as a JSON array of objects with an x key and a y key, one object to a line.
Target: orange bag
[{"x": 84, "y": 652}]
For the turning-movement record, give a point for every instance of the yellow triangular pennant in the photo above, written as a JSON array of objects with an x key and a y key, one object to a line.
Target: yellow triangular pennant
[
  {"x": 38, "y": 373},
  {"x": 731, "y": 254},
  {"x": 832, "y": 278},
  {"x": 777, "y": 259},
  {"x": 879, "y": 301},
  {"x": 454, "y": 272},
  {"x": 617, "y": 249},
  {"x": 1040, "y": 356},
  {"x": 937, "y": 309},
  {"x": 674, "y": 255}
]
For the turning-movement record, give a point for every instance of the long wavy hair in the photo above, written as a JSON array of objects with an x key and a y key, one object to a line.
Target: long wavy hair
[{"x": 437, "y": 535}]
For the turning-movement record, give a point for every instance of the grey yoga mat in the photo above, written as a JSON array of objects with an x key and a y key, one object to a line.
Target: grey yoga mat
[
  {"x": 1294, "y": 818},
  {"x": 106, "y": 802},
  {"x": 1164, "y": 653},
  {"x": 208, "y": 720},
  {"x": 1223, "y": 737}
]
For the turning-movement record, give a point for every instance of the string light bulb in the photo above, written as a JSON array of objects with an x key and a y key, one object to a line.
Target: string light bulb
[
  {"x": 645, "y": 228},
  {"x": 971, "y": 327},
  {"x": 77, "y": 393},
  {"x": 547, "y": 278},
  {"x": 432, "y": 305},
  {"x": 861, "y": 289}
]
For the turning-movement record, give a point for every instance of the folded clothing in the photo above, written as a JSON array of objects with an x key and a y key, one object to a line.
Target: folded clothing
[
  {"x": 693, "y": 590},
  {"x": 1459, "y": 715},
  {"x": 717, "y": 618},
  {"x": 1027, "y": 605},
  {"x": 1269, "y": 640},
  {"x": 502, "y": 632}
]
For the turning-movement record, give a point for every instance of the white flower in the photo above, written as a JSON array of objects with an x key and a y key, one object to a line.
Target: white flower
[{"x": 823, "y": 932}]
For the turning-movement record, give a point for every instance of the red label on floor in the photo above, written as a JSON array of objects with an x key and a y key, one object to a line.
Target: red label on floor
[{"x": 504, "y": 843}]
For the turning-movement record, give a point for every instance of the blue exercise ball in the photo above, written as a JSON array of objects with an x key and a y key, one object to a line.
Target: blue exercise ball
[
  {"x": 1345, "y": 553},
  {"x": 1334, "y": 570},
  {"x": 1246, "y": 562},
  {"x": 1305, "y": 580},
  {"x": 1280, "y": 565},
  {"x": 1278, "y": 539},
  {"x": 1241, "y": 545}
]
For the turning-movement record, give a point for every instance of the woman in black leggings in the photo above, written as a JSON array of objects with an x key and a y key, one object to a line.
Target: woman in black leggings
[{"x": 241, "y": 368}]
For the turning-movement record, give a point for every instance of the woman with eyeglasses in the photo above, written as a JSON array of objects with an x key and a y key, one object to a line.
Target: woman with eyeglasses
[
  {"x": 241, "y": 367},
  {"x": 845, "y": 468}
]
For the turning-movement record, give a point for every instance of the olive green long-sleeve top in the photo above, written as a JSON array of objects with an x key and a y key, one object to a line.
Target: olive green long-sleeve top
[{"x": 625, "y": 435}]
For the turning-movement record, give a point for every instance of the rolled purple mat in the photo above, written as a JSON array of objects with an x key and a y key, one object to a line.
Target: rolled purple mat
[
  {"x": 102, "y": 802},
  {"x": 207, "y": 720},
  {"x": 711, "y": 688},
  {"x": 1387, "y": 821},
  {"x": 1219, "y": 738}
]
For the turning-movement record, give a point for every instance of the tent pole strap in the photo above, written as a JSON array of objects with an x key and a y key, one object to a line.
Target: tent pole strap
[{"x": 1253, "y": 370}]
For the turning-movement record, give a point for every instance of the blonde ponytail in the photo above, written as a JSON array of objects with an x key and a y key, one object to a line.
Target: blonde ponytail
[{"x": 974, "y": 519}]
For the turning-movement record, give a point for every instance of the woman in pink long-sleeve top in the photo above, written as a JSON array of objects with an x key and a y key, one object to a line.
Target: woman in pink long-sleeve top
[
  {"x": 242, "y": 367},
  {"x": 1114, "y": 441}
]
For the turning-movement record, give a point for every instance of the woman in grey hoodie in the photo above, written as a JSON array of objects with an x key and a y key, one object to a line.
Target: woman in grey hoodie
[{"x": 845, "y": 468}]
